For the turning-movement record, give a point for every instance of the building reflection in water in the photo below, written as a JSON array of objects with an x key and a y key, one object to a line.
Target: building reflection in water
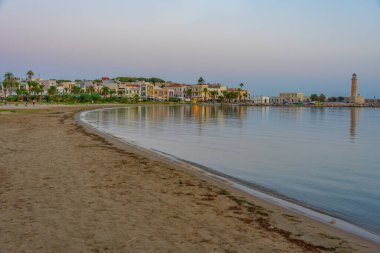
[{"x": 353, "y": 126}]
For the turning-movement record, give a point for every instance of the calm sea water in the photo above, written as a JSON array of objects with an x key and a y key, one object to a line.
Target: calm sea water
[{"x": 326, "y": 158}]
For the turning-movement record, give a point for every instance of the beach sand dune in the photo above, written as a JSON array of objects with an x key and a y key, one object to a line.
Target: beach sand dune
[{"x": 65, "y": 189}]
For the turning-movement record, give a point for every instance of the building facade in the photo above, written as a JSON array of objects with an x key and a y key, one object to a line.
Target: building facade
[
  {"x": 288, "y": 98},
  {"x": 261, "y": 100}
]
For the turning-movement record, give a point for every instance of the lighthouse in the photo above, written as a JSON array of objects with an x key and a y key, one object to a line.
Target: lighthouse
[
  {"x": 354, "y": 85},
  {"x": 355, "y": 98}
]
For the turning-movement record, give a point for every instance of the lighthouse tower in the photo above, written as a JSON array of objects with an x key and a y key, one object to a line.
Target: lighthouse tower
[
  {"x": 354, "y": 86},
  {"x": 355, "y": 98}
]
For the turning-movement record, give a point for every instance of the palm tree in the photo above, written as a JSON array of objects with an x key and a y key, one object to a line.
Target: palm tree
[
  {"x": 19, "y": 93},
  {"x": 241, "y": 89},
  {"x": 136, "y": 98},
  {"x": 32, "y": 86},
  {"x": 226, "y": 95},
  {"x": 322, "y": 97},
  {"x": 5, "y": 87},
  {"x": 105, "y": 91},
  {"x": 9, "y": 82},
  {"x": 30, "y": 74},
  {"x": 52, "y": 90},
  {"x": 234, "y": 95},
  {"x": 205, "y": 91},
  {"x": 213, "y": 94},
  {"x": 239, "y": 94},
  {"x": 8, "y": 76},
  {"x": 90, "y": 89}
]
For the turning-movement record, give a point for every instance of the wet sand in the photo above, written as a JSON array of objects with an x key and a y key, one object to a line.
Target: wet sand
[{"x": 65, "y": 188}]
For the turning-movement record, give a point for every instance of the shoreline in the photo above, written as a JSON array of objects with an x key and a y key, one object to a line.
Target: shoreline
[
  {"x": 74, "y": 190},
  {"x": 253, "y": 190},
  {"x": 21, "y": 106}
]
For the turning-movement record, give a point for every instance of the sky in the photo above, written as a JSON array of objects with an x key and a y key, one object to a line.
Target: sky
[{"x": 272, "y": 46}]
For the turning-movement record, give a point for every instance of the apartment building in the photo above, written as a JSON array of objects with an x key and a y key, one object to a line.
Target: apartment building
[{"x": 200, "y": 92}]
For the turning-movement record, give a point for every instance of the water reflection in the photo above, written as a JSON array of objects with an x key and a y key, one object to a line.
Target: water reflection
[
  {"x": 216, "y": 115},
  {"x": 353, "y": 125}
]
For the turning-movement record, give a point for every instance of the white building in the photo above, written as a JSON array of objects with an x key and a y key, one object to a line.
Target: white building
[{"x": 261, "y": 100}]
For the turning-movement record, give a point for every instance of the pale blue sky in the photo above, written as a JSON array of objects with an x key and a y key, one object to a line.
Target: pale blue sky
[{"x": 311, "y": 46}]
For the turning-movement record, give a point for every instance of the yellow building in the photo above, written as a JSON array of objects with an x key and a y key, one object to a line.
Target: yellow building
[
  {"x": 217, "y": 88},
  {"x": 200, "y": 92},
  {"x": 244, "y": 95},
  {"x": 293, "y": 97},
  {"x": 162, "y": 94}
]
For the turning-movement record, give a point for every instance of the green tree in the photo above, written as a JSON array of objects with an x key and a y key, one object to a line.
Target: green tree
[
  {"x": 136, "y": 98},
  {"x": 8, "y": 76},
  {"x": 226, "y": 96},
  {"x": 63, "y": 81},
  {"x": 30, "y": 74},
  {"x": 213, "y": 94},
  {"x": 52, "y": 90},
  {"x": 105, "y": 91},
  {"x": 5, "y": 87},
  {"x": 314, "y": 97},
  {"x": 234, "y": 95},
  {"x": 9, "y": 82},
  {"x": 40, "y": 91},
  {"x": 90, "y": 89},
  {"x": 340, "y": 99},
  {"x": 19, "y": 92},
  {"x": 322, "y": 98},
  {"x": 155, "y": 80},
  {"x": 32, "y": 86},
  {"x": 205, "y": 92},
  {"x": 75, "y": 90}
]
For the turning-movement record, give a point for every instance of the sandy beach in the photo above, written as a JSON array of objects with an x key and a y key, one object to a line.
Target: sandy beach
[{"x": 65, "y": 188}]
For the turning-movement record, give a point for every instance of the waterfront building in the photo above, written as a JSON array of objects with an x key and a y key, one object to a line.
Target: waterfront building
[
  {"x": 162, "y": 94},
  {"x": 288, "y": 98},
  {"x": 355, "y": 98},
  {"x": 83, "y": 85},
  {"x": 200, "y": 92},
  {"x": 261, "y": 100},
  {"x": 144, "y": 89},
  {"x": 373, "y": 101},
  {"x": 218, "y": 88},
  {"x": 179, "y": 90},
  {"x": 132, "y": 91},
  {"x": 65, "y": 87}
]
